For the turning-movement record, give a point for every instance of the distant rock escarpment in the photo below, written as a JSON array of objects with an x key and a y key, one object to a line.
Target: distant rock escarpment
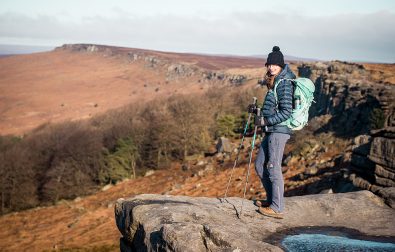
[
  {"x": 180, "y": 223},
  {"x": 174, "y": 66}
]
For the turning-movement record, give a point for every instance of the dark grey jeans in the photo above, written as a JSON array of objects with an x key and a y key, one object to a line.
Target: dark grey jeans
[{"x": 268, "y": 168}]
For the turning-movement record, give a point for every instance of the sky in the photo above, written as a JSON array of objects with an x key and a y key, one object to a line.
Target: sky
[{"x": 352, "y": 30}]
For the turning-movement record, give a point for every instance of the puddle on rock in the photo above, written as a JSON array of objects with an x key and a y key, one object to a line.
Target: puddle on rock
[
  {"x": 327, "y": 238},
  {"x": 323, "y": 242}
]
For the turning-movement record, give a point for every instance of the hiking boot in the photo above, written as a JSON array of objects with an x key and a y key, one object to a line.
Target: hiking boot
[
  {"x": 262, "y": 203},
  {"x": 267, "y": 211}
]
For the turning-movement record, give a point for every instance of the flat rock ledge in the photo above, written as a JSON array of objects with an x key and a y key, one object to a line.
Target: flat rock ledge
[{"x": 151, "y": 222}]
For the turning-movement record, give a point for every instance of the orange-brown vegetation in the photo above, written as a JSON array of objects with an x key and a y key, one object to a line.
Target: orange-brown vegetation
[
  {"x": 66, "y": 85},
  {"x": 381, "y": 73},
  {"x": 87, "y": 223}
]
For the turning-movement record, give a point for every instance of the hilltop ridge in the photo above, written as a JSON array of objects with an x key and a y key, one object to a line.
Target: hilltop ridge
[{"x": 76, "y": 82}]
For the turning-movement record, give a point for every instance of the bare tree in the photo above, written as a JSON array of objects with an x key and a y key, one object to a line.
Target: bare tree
[{"x": 189, "y": 125}]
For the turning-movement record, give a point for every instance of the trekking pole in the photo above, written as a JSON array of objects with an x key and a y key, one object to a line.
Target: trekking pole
[
  {"x": 249, "y": 166},
  {"x": 238, "y": 150}
]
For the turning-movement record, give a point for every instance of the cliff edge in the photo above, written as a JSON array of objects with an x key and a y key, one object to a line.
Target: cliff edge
[{"x": 151, "y": 222}]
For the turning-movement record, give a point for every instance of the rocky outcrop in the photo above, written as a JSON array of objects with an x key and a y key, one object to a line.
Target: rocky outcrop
[
  {"x": 180, "y": 70},
  {"x": 179, "y": 223},
  {"x": 159, "y": 62},
  {"x": 223, "y": 145},
  {"x": 89, "y": 48},
  {"x": 382, "y": 151},
  {"x": 347, "y": 93},
  {"x": 237, "y": 79},
  {"x": 372, "y": 163},
  {"x": 153, "y": 62}
]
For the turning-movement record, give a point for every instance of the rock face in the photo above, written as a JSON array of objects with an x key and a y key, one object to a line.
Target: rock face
[
  {"x": 346, "y": 92},
  {"x": 180, "y": 223},
  {"x": 351, "y": 104},
  {"x": 223, "y": 145},
  {"x": 372, "y": 163},
  {"x": 382, "y": 151}
]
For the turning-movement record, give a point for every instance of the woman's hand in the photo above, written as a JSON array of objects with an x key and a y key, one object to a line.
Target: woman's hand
[{"x": 259, "y": 120}]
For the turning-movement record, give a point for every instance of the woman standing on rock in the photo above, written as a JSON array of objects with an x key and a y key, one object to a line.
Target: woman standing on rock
[{"x": 274, "y": 111}]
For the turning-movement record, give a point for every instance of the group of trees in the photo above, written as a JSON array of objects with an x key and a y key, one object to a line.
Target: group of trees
[{"x": 63, "y": 161}]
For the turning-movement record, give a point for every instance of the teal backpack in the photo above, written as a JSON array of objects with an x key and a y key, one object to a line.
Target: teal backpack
[{"x": 303, "y": 96}]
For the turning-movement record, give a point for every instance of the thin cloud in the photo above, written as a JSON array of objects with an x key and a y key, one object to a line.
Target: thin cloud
[{"x": 346, "y": 37}]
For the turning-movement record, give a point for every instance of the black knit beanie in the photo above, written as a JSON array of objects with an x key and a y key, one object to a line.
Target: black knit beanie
[{"x": 275, "y": 57}]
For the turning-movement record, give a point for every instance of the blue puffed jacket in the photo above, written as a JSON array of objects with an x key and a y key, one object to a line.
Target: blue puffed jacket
[{"x": 276, "y": 112}]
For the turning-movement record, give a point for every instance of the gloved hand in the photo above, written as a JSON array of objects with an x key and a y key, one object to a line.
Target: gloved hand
[
  {"x": 252, "y": 108},
  {"x": 259, "y": 120}
]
